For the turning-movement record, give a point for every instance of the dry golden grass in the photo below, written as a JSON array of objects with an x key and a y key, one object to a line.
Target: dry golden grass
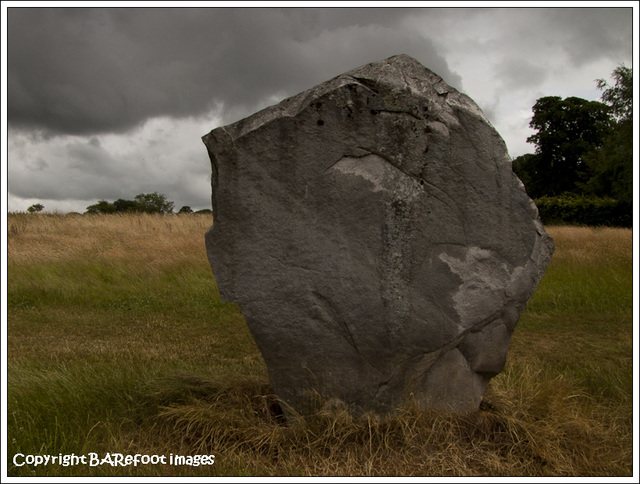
[
  {"x": 118, "y": 342},
  {"x": 52, "y": 237},
  {"x": 581, "y": 245},
  {"x": 413, "y": 442}
]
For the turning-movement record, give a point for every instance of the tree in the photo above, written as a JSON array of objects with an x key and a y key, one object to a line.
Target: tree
[
  {"x": 619, "y": 96},
  {"x": 527, "y": 168},
  {"x": 101, "y": 207},
  {"x": 122, "y": 205},
  {"x": 567, "y": 129},
  {"x": 37, "y": 207},
  {"x": 153, "y": 203},
  {"x": 143, "y": 202},
  {"x": 611, "y": 166},
  {"x": 185, "y": 209}
]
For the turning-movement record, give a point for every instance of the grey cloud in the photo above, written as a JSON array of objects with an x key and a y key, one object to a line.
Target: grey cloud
[
  {"x": 90, "y": 157},
  {"x": 96, "y": 70},
  {"x": 49, "y": 184},
  {"x": 519, "y": 73},
  {"x": 589, "y": 34},
  {"x": 37, "y": 165}
]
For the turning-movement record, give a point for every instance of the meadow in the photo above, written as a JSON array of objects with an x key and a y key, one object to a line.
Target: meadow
[{"x": 118, "y": 342}]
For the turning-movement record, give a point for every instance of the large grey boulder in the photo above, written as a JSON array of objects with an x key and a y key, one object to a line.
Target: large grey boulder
[{"x": 376, "y": 239}]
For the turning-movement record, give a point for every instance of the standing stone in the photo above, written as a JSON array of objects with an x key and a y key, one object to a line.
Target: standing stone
[{"x": 376, "y": 239}]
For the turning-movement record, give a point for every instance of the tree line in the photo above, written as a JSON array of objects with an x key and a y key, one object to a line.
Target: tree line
[
  {"x": 582, "y": 167},
  {"x": 142, "y": 203}
]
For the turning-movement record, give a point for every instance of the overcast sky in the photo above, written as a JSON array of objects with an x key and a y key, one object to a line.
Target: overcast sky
[{"x": 107, "y": 103}]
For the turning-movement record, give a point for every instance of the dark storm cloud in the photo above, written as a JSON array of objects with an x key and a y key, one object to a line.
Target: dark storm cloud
[
  {"x": 588, "y": 33},
  {"x": 81, "y": 71},
  {"x": 106, "y": 103}
]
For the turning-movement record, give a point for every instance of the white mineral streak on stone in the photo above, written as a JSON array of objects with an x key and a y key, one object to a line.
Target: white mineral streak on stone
[
  {"x": 485, "y": 279},
  {"x": 380, "y": 173}
]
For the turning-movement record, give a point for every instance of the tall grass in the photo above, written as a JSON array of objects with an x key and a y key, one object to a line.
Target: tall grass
[{"x": 118, "y": 342}]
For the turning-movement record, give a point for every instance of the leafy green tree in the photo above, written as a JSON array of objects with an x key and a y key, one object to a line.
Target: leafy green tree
[
  {"x": 620, "y": 95},
  {"x": 527, "y": 168},
  {"x": 185, "y": 209},
  {"x": 567, "y": 129},
  {"x": 153, "y": 203},
  {"x": 36, "y": 207},
  {"x": 122, "y": 205},
  {"x": 611, "y": 166},
  {"x": 598, "y": 165},
  {"x": 143, "y": 202},
  {"x": 101, "y": 207}
]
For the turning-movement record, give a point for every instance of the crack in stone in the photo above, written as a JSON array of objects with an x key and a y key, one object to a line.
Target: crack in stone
[
  {"x": 347, "y": 334},
  {"x": 321, "y": 301},
  {"x": 409, "y": 113},
  {"x": 349, "y": 156},
  {"x": 367, "y": 83},
  {"x": 424, "y": 184},
  {"x": 452, "y": 206},
  {"x": 445, "y": 348}
]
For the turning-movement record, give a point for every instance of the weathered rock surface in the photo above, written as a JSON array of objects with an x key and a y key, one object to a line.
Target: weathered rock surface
[{"x": 376, "y": 239}]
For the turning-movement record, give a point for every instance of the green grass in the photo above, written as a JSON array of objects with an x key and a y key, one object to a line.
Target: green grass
[{"x": 117, "y": 341}]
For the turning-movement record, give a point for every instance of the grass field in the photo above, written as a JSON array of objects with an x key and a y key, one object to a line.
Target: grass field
[{"x": 118, "y": 342}]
